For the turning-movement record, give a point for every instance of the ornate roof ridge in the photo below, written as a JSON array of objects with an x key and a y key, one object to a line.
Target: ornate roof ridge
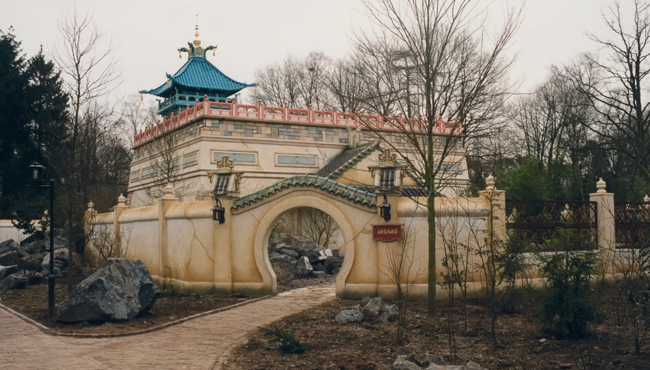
[{"x": 345, "y": 191}]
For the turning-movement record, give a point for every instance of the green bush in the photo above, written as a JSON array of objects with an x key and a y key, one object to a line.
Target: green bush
[
  {"x": 286, "y": 341},
  {"x": 567, "y": 304},
  {"x": 511, "y": 265}
]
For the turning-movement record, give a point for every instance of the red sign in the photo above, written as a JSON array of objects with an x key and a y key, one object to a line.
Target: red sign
[{"x": 387, "y": 233}]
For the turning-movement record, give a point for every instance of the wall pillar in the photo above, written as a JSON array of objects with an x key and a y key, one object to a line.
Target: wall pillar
[
  {"x": 606, "y": 227},
  {"x": 222, "y": 244},
  {"x": 165, "y": 201},
  {"x": 117, "y": 210},
  {"x": 496, "y": 222}
]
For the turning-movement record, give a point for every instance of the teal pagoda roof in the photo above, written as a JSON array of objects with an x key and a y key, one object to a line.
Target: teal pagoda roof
[
  {"x": 196, "y": 77},
  {"x": 198, "y": 74}
]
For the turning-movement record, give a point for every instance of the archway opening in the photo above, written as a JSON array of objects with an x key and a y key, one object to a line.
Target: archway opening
[{"x": 306, "y": 247}]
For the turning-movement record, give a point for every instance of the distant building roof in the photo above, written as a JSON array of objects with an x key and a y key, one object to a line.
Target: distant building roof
[{"x": 200, "y": 75}]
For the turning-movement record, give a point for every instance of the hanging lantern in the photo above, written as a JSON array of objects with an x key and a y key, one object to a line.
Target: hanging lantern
[
  {"x": 219, "y": 213},
  {"x": 384, "y": 210}
]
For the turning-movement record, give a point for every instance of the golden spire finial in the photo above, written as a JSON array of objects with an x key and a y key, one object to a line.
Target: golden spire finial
[{"x": 197, "y": 42}]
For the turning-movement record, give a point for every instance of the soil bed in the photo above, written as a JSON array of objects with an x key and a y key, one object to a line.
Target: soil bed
[
  {"x": 32, "y": 302},
  {"x": 371, "y": 345}
]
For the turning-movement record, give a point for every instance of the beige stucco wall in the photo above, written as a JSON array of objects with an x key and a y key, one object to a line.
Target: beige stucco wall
[{"x": 182, "y": 246}]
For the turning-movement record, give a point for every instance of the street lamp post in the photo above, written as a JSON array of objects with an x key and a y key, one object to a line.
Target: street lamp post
[{"x": 36, "y": 179}]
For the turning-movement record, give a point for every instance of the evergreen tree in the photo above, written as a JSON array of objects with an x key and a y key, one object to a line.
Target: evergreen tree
[
  {"x": 14, "y": 118},
  {"x": 48, "y": 109}
]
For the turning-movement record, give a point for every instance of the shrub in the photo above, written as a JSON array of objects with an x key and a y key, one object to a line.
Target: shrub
[
  {"x": 511, "y": 264},
  {"x": 286, "y": 341},
  {"x": 567, "y": 305}
]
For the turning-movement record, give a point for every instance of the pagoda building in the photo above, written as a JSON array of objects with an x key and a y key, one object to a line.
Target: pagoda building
[
  {"x": 195, "y": 80},
  {"x": 204, "y": 129}
]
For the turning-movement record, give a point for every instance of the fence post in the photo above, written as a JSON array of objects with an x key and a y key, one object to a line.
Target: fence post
[
  {"x": 606, "y": 226},
  {"x": 165, "y": 201},
  {"x": 497, "y": 212},
  {"x": 89, "y": 220},
  {"x": 117, "y": 210}
]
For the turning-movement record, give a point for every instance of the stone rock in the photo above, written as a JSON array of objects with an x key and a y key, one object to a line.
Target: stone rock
[
  {"x": 284, "y": 267},
  {"x": 7, "y": 270},
  {"x": 319, "y": 267},
  {"x": 120, "y": 290},
  {"x": 372, "y": 309},
  {"x": 8, "y": 246},
  {"x": 318, "y": 274},
  {"x": 349, "y": 315},
  {"x": 405, "y": 363},
  {"x": 9, "y": 258},
  {"x": 426, "y": 360},
  {"x": 474, "y": 366},
  {"x": 59, "y": 242},
  {"x": 290, "y": 253},
  {"x": 14, "y": 281},
  {"x": 303, "y": 267},
  {"x": 278, "y": 247},
  {"x": 272, "y": 245},
  {"x": 57, "y": 272},
  {"x": 31, "y": 248},
  {"x": 365, "y": 301},
  {"x": 322, "y": 255},
  {"x": 436, "y": 367},
  {"x": 312, "y": 255},
  {"x": 60, "y": 259},
  {"x": 274, "y": 255},
  {"x": 389, "y": 313},
  {"x": 35, "y": 278},
  {"x": 336, "y": 271},
  {"x": 335, "y": 253},
  {"x": 332, "y": 263},
  {"x": 33, "y": 262}
]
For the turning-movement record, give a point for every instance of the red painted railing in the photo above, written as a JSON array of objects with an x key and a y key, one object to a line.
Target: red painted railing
[{"x": 284, "y": 114}]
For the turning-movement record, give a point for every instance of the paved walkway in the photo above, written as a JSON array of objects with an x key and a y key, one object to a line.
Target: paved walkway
[{"x": 196, "y": 344}]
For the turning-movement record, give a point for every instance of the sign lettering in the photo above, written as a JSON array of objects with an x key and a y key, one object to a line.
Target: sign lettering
[{"x": 387, "y": 233}]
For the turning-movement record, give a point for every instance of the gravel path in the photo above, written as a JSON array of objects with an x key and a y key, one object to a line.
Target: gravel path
[{"x": 202, "y": 343}]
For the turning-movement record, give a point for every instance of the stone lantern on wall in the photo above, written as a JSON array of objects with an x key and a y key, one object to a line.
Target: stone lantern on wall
[
  {"x": 388, "y": 176},
  {"x": 225, "y": 183}
]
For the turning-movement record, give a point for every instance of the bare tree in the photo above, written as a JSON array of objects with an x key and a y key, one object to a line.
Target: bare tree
[
  {"x": 299, "y": 83},
  {"x": 615, "y": 84},
  {"x": 136, "y": 115},
  {"x": 90, "y": 74},
  {"x": 403, "y": 271},
  {"x": 450, "y": 67}
]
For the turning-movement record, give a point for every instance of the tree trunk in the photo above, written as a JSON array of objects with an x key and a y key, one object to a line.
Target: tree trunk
[{"x": 431, "y": 292}]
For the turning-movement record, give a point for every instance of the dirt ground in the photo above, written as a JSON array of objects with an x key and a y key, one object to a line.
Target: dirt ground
[
  {"x": 306, "y": 282},
  {"x": 32, "y": 302},
  {"x": 522, "y": 342}
]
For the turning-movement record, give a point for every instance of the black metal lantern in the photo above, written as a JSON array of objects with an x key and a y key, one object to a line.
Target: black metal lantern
[
  {"x": 36, "y": 173},
  {"x": 384, "y": 210},
  {"x": 219, "y": 213}
]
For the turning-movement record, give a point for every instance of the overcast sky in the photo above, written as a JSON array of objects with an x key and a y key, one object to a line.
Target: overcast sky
[{"x": 253, "y": 33}]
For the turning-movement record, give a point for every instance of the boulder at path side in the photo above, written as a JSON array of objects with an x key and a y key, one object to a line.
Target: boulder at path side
[
  {"x": 349, "y": 315},
  {"x": 119, "y": 290},
  {"x": 14, "y": 281}
]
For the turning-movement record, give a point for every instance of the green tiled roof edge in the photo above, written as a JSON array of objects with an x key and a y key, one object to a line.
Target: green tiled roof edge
[{"x": 331, "y": 186}]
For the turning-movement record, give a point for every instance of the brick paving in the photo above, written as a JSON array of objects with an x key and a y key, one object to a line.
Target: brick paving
[{"x": 195, "y": 344}]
